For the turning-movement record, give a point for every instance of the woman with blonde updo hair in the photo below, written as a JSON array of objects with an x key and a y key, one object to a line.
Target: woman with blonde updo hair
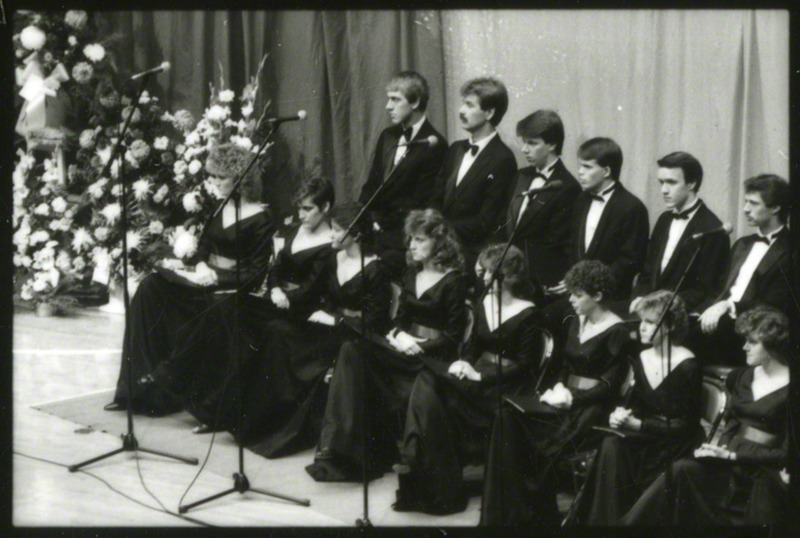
[
  {"x": 169, "y": 304},
  {"x": 429, "y": 324},
  {"x": 450, "y": 414}
]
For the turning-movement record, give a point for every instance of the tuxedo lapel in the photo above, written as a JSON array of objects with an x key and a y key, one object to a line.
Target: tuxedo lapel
[
  {"x": 737, "y": 260},
  {"x": 474, "y": 173},
  {"x": 776, "y": 250},
  {"x": 392, "y": 139},
  {"x": 695, "y": 225},
  {"x": 583, "y": 203},
  {"x": 523, "y": 183},
  {"x": 450, "y": 186},
  {"x": 609, "y": 211}
]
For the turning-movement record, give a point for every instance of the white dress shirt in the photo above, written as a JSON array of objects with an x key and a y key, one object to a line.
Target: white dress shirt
[
  {"x": 401, "y": 150},
  {"x": 594, "y": 214},
  {"x": 537, "y": 183},
  {"x": 748, "y": 269},
  {"x": 676, "y": 229},
  {"x": 469, "y": 158}
]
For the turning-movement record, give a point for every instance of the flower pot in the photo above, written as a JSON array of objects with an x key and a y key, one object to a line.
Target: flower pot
[{"x": 46, "y": 310}]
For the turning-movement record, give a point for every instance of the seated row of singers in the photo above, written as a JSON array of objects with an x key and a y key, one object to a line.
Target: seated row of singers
[{"x": 419, "y": 389}]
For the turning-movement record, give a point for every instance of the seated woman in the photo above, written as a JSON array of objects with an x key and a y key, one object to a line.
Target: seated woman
[
  {"x": 660, "y": 421},
  {"x": 301, "y": 351},
  {"x": 429, "y": 325},
  {"x": 724, "y": 483},
  {"x": 296, "y": 285},
  {"x": 521, "y": 483},
  {"x": 162, "y": 311},
  {"x": 449, "y": 416}
]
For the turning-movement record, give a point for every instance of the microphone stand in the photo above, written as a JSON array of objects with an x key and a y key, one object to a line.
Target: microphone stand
[
  {"x": 240, "y": 482},
  {"x": 351, "y": 230},
  {"x": 129, "y": 441}
]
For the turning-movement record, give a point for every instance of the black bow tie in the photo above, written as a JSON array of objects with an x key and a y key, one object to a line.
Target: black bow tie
[
  {"x": 538, "y": 174},
  {"x": 473, "y": 149},
  {"x": 597, "y": 197},
  {"x": 761, "y": 239},
  {"x": 683, "y": 215},
  {"x": 407, "y": 133}
]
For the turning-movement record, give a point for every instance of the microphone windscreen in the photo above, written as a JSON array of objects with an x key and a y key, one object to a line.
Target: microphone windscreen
[
  {"x": 727, "y": 227},
  {"x": 165, "y": 66},
  {"x": 432, "y": 141},
  {"x": 301, "y": 114}
]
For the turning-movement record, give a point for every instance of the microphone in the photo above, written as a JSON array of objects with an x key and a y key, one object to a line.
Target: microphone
[
  {"x": 430, "y": 142},
  {"x": 549, "y": 186},
  {"x": 300, "y": 116},
  {"x": 726, "y": 228},
  {"x": 160, "y": 69}
]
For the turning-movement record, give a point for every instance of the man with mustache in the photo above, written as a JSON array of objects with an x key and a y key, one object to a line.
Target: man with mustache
[
  {"x": 410, "y": 171},
  {"x": 474, "y": 181}
]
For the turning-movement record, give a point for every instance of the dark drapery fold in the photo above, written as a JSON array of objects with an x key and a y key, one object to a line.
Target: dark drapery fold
[{"x": 334, "y": 65}]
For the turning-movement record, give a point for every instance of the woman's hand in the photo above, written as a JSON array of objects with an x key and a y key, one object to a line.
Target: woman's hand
[
  {"x": 558, "y": 396},
  {"x": 461, "y": 369},
  {"x": 279, "y": 298},
  {"x": 322, "y": 317},
  {"x": 618, "y": 416},
  {"x": 204, "y": 275},
  {"x": 708, "y": 450},
  {"x": 405, "y": 343}
]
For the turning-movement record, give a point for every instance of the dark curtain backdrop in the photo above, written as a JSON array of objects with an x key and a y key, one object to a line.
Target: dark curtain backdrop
[{"x": 334, "y": 65}]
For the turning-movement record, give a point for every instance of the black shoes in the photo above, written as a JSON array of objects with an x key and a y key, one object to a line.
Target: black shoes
[{"x": 116, "y": 406}]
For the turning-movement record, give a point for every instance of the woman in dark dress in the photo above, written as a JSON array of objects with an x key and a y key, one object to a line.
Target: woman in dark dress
[
  {"x": 724, "y": 483},
  {"x": 428, "y": 328},
  {"x": 660, "y": 422},
  {"x": 301, "y": 351},
  {"x": 521, "y": 481},
  {"x": 275, "y": 378},
  {"x": 449, "y": 416},
  {"x": 169, "y": 303}
]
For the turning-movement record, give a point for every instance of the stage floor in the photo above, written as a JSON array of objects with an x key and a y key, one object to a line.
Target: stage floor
[{"x": 64, "y": 370}]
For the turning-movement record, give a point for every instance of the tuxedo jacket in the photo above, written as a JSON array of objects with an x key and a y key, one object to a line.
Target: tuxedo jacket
[
  {"x": 410, "y": 184},
  {"x": 770, "y": 283},
  {"x": 707, "y": 273},
  {"x": 620, "y": 240},
  {"x": 543, "y": 233},
  {"x": 474, "y": 207}
]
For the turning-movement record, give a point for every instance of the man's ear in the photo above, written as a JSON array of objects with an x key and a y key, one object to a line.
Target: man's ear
[{"x": 489, "y": 114}]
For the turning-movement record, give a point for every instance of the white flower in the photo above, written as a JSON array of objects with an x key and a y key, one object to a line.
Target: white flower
[
  {"x": 63, "y": 261},
  {"x": 95, "y": 52},
  {"x": 145, "y": 97},
  {"x": 193, "y": 138},
  {"x": 161, "y": 143},
  {"x": 81, "y": 240},
  {"x": 111, "y": 212},
  {"x": 185, "y": 243},
  {"x": 116, "y": 190},
  {"x": 32, "y": 38},
  {"x": 191, "y": 202},
  {"x": 217, "y": 113},
  {"x": 179, "y": 149},
  {"x": 44, "y": 191},
  {"x": 195, "y": 166},
  {"x": 242, "y": 142},
  {"x": 134, "y": 239},
  {"x": 39, "y": 236},
  {"x": 101, "y": 233},
  {"x": 247, "y": 110},
  {"x": 72, "y": 40},
  {"x": 25, "y": 293},
  {"x": 141, "y": 188},
  {"x": 156, "y": 227},
  {"x": 226, "y": 96},
  {"x": 42, "y": 209},
  {"x": 78, "y": 263},
  {"x": 26, "y": 261},
  {"x": 179, "y": 168},
  {"x": 95, "y": 190},
  {"x": 17, "y": 259},
  {"x": 104, "y": 154},
  {"x": 39, "y": 285},
  {"x": 59, "y": 205},
  {"x": 115, "y": 169},
  {"x": 160, "y": 194}
]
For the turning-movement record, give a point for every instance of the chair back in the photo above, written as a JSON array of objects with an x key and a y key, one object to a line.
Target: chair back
[
  {"x": 394, "y": 304},
  {"x": 469, "y": 324},
  {"x": 714, "y": 399}
]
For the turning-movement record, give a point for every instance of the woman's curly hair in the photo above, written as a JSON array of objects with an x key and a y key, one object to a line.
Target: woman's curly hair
[
  {"x": 514, "y": 268},
  {"x": 446, "y": 248},
  {"x": 230, "y": 160},
  {"x": 769, "y": 326},
  {"x": 318, "y": 189},
  {"x": 590, "y": 276},
  {"x": 678, "y": 318}
]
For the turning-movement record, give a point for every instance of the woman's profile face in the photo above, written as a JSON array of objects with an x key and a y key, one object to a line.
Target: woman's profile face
[
  {"x": 310, "y": 214},
  {"x": 647, "y": 328},
  {"x": 582, "y": 302},
  {"x": 757, "y": 354},
  {"x": 421, "y": 247}
]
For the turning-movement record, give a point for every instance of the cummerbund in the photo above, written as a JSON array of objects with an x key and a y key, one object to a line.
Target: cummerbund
[
  {"x": 494, "y": 357},
  {"x": 351, "y": 313},
  {"x": 421, "y": 331},
  {"x": 757, "y": 436},
  {"x": 581, "y": 383}
]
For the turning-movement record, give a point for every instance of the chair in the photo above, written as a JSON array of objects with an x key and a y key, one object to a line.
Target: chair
[
  {"x": 394, "y": 304},
  {"x": 714, "y": 399},
  {"x": 468, "y": 327}
]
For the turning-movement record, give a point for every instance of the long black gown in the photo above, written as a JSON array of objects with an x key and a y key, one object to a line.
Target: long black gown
[
  {"x": 163, "y": 313},
  {"x": 438, "y": 315},
  {"x": 448, "y": 419},
  {"x": 624, "y": 467},
  {"x": 523, "y": 455},
  {"x": 302, "y": 275},
  {"x": 300, "y": 352},
  {"x": 712, "y": 491}
]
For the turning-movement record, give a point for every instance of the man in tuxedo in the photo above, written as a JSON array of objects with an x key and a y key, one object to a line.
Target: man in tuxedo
[
  {"x": 609, "y": 223},
  {"x": 475, "y": 179},
  {"x": 408, "y": 170},
  {"x": 671, "y": 246},
  {"x": 758, "y": 272},
  {"x": 543, "y": 219}
]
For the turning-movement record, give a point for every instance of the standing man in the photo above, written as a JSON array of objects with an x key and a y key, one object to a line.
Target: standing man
[
  {"x": 543, "y": 219},
  {"x": 410, "y": 170},
  {"x": 671, "y": 245},
  {"x": 474, "y": 182},
  {"x": 758, "y": 273}
]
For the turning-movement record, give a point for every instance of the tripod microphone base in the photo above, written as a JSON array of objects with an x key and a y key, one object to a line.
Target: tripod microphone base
[
  {"x": 363, "y": 522},
  {"x": 241, "y": 485},
  {"x": 130, "y": 444}
]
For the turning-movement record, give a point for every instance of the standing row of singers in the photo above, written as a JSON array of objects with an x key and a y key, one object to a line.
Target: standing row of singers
[{"x": 289, "y": 349}]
